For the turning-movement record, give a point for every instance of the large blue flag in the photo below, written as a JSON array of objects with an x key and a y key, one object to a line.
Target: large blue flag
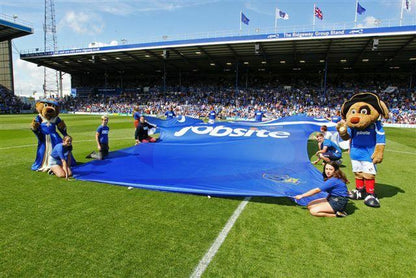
[
  {"x": 244, "y": 19},
  {"x": 360, "y": 9},
  {"x": 224, "y": 159}
]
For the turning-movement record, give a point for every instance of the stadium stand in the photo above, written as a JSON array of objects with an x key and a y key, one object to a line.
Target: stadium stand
[
  {"x": 9, "y": 29},
  {"x": 282, "y": 74},
  {"x": 11, "y": 104},
  {"x": 276, "y": 100}
]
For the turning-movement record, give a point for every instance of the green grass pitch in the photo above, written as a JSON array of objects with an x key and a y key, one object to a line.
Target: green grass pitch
[{"x": 57, "y": 228}]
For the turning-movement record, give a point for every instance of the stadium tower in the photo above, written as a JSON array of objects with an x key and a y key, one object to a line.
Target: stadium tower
[{"x": 52, "y": 79}]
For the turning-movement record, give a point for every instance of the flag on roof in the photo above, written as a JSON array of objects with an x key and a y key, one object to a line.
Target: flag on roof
[
  {"x": 360, "y": 9},
  {"x": 244, "y": 19},
  {"x": 282, "y": 14},
  {"x": 318, "y": 13},
  {"x": 407, "y": 5}
]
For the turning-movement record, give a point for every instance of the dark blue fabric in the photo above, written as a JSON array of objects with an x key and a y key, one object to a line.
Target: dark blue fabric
[
  {"x": 61, "y": 152},
  {"x": 335, "y": 187},
  {"x": 360, "y": 9},
  {"x": 331, "y": 147},
  {"x": 103, "y": 134},
  {"x": 244, "y": 19},
  {"x": 176, "y": 121},
  {"x": 224, "y": 158}
]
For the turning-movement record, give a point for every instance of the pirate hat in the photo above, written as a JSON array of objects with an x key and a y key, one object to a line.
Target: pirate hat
[{"x": 370, "y": 98}]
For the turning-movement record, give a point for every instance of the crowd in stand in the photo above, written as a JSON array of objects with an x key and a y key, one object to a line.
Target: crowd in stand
[
  {"x": 9, "y": 103},
  {"x": 274, "y": 99},
  {"x": 230, "y": 103}
]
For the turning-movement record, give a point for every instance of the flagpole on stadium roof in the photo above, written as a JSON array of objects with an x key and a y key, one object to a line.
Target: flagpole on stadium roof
[
  {"x": 241, "y": 19},
  {"x": 356, "y": 8},
  {"x": 401, "y": 13},
  {"x": 275, "y": 21},
  {"x": 313, "y": 16}
]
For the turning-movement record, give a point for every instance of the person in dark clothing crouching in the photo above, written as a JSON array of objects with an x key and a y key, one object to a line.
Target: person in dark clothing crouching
[{"x": 142, "y": 132}]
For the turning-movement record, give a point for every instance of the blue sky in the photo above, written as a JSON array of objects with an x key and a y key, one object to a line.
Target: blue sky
[{"x": 81, "y": 22}]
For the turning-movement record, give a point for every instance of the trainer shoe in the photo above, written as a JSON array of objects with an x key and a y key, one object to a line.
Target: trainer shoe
[
  {"x": 341, "y": 214},
  {"x": 356, "y": 194},
  {"x": 339, "y": 162},
  {"x": 89, "y": 156},
  {"x": 372, "y": 201}
]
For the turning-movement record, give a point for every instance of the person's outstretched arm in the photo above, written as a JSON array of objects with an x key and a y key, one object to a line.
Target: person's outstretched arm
[{"x": 309, "y": 193}]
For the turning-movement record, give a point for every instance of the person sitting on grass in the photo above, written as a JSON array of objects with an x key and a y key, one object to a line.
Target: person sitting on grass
[
  {"x": 335, "y": 185},
  {"x": 60, "y": 158},
  {"x": 142, "y": 132},
  {"x": 328, "y": 150}
]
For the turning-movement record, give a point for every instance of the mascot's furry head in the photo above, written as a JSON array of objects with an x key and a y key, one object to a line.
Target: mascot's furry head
[
  {"x": 363, "y": 109},
  {"x": 49, "y": 109}
]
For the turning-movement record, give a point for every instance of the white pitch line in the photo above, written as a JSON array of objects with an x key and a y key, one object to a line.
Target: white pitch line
[
  {"x": 32, "y": 145},
  {"x": 400, "y": 151},
  {"x": 206, "y": 260}
]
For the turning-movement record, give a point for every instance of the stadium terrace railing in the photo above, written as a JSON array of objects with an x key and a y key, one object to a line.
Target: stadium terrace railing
[
  {"x": 15, "y": 19},
  {"x": 245, "y": 32}
]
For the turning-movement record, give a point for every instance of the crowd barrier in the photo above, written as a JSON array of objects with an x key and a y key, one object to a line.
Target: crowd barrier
[{"x": 400, "y": 125}]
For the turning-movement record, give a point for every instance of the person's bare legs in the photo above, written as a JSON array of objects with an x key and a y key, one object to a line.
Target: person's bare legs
[
  {"x": 58, "y": 171},
  {"x": 321, "y": 209}
]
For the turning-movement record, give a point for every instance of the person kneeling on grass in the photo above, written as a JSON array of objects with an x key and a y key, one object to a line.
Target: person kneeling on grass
[
  {"x": 335, "y": 185},
  {"x": 60, "y": 158},
  {"x": 142, "y": 132},
  {"x": 328, "y": 150},
  {"x": 101, "y": 137}
]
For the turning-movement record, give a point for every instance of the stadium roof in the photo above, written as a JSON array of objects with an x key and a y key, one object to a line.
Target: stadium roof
[
  {"x": 11, "y": 30},
  {"x": 345, "y": 50}
]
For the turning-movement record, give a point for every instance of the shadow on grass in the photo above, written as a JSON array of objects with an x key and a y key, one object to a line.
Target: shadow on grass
[
  {"x": 351, "y": 207},
  {"x": 283, "y": 201},
  {"x": 387, "y": 191}
]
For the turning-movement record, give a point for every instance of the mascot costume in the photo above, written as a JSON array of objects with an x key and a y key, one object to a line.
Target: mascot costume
[
  {"x": 362, "y": 114},
  {"x": 44, "y": 126}
]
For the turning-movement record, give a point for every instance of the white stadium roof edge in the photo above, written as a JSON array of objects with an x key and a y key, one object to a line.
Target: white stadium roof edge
[
  {"x": 358, "y": 49},
  {"x": 10, "y": 29}
]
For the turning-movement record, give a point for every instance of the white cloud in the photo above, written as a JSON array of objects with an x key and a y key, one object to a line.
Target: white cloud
[
  {"x": 370, "y": 21},
  {"x": 252, "y": 6},
  {"x": 128, "y": 7},
  {"x": 82, "y": 23},
  {"x": 28, "y": 79},
  {"x": 100, "y": 44}
]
